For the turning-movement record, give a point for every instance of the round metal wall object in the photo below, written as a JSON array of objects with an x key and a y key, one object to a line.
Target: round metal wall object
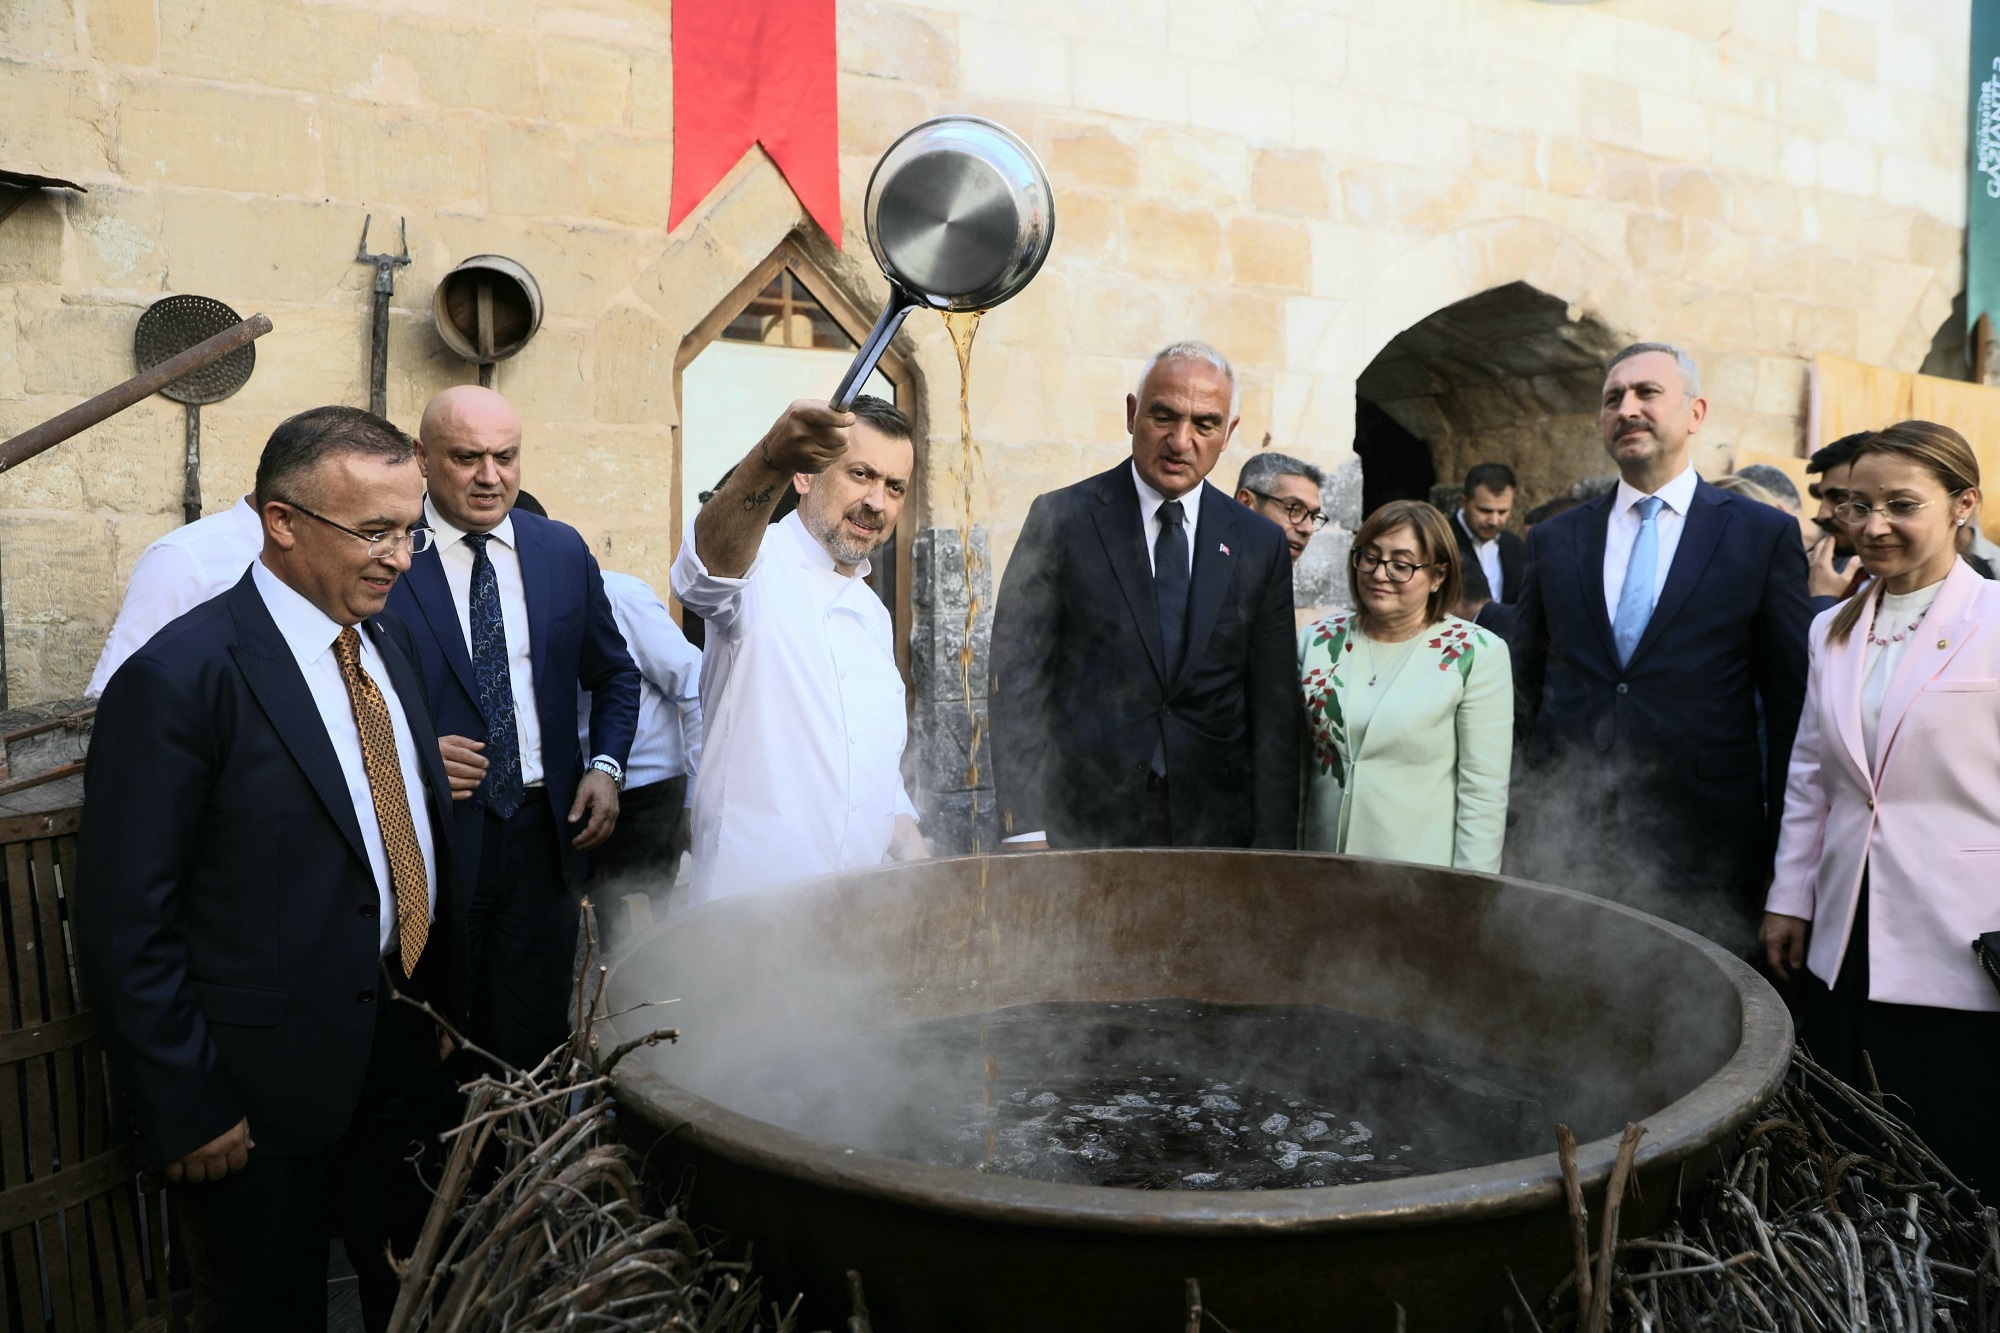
[
  {"x": 960, "y": 213},
  {"x": 513, "y": 307},
  {"x": 1646, "y": 1021},
  {"x": 172, "y": 325}
]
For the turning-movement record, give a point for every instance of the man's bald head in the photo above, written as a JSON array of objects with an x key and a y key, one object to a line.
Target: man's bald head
[{"x": 471, "y": 440}]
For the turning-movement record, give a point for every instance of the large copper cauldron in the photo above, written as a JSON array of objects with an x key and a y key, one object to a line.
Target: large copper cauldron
[{"x": 1647, "y": 1021}]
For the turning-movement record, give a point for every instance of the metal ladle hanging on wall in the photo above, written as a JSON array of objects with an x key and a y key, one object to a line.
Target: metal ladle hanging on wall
[
  {"x": 169, "y": 327},
  {"x": 960, "y": 217}
]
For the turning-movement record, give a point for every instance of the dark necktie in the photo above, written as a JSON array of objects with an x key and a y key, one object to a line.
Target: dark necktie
[
  {"x": 407, "y": 875},
  {"x": 1170, "y": 585},
  {"x": 496, "y": 684}
]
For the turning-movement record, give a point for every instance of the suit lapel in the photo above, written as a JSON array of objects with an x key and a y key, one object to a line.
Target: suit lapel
[
  {"x": 274, "y": 677},
  {"x": 1843, "y": 686},
  {"x": 408, "y": 688},
  {"x": 534, "y": 562},
  {"x": 1214, "y": 564},
  {"x": 1124, "y": 538},
  {"x": 1590, "y": 570},
  {"x": 433, "y": 594},
  {"x": 1945, "y": 629},
  {"x": 1701, "y": 532}
]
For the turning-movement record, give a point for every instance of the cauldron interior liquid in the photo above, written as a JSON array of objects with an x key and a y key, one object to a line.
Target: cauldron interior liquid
[{"x": 1175, "y": 1094}]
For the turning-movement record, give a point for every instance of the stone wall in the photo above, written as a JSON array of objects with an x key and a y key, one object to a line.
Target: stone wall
[{"x": 1299, "y": 183}]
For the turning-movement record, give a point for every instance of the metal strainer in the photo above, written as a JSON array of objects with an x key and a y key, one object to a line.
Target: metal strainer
[{"x": 169, "y": 327}]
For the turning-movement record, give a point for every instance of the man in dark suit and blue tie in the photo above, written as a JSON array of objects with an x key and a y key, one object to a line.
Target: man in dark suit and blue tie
[
  {"x": 1655, "y": 622},
  {"x": 510, "y": 617},
  {"x": 265, "y": 854},
  {"x": 1144, "y": 688}
]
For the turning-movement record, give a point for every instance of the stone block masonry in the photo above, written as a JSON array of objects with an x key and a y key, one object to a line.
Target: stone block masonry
[{"x": 1298, "y": 181}]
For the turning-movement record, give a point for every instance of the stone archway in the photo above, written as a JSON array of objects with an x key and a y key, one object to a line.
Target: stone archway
[{"x": 1510, "y": 375}]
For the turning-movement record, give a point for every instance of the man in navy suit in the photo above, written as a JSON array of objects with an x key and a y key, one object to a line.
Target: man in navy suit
[
  {"x": 1655, "y": 621},
  {"x": 265, "y": 856},
  {"x": 510, "y": 617},
  {"x": 1494, "y": 561},
  {"x": 1144, "y": 686}
]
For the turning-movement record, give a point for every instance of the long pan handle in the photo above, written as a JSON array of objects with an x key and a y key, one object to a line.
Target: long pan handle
[
  {"x": 901, "y": 303},
  {"x": 143, "y": 385}
]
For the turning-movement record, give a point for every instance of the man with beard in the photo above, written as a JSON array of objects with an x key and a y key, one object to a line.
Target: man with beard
[
  {"x": 1653, "y": 620},
  {"x": 801, "y": 769}
]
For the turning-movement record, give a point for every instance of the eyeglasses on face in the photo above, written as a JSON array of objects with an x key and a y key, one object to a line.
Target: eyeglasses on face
[
  {"x": 381, "y": 545},
  {"x": 1400, "y": 571},
  {"x": 1855, "y": 513},
  {"x": 1295, "y": 511}
]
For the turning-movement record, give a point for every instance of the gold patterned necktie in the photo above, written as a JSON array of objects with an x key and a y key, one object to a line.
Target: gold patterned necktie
[{"x": 392, "y": 801}]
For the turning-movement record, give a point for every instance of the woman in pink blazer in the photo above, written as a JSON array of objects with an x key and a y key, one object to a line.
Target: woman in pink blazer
[{"x": 1889, "y": 863}]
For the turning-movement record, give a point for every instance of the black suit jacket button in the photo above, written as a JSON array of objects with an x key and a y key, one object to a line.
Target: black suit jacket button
[
  {"x": 371, "y": 910},
  {"x": 1166, "y": 710},
  {"x": 365, "y": 997},
  {"x": 1623, "y": 688}
]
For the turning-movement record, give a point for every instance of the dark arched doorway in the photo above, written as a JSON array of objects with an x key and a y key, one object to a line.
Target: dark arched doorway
[{"x": 1511, "y": 376}]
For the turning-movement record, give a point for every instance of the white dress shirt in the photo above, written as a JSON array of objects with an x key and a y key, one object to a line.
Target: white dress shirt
[
  {"x": 176, "y": 574},
  {"x": 1624, "y": 530},
  {"x": 668, "y": 741},
  {"x": 1488, "y": 554},
  {"x": 310, "y": 633},
  {"x": 803, "y": 718},
  {"x": 1150, "y": 501},
  {"x": 1896, "y": 621},
  {"x": 455, "y": 553}
]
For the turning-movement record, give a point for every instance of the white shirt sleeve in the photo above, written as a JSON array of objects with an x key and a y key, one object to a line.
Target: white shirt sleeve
[
  {"x": 717, "y": 600},
  {"x": 163, "y": 587},
  {"x": 672, "y": 664}
]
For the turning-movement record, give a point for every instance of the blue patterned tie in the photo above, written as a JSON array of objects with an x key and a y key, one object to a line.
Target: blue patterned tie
[
  {"x": 1635, "y": 599},
  {"x": 504, "y": 792}
]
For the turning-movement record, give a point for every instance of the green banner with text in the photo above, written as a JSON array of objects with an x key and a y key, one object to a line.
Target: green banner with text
[{"x": 1982, "y": 190}]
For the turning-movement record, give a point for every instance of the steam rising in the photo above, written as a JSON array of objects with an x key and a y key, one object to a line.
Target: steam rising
[{"x": 786, "y": 995}]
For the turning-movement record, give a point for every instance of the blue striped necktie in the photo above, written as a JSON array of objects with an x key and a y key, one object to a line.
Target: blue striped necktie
[{"x": 504, "y": 792}]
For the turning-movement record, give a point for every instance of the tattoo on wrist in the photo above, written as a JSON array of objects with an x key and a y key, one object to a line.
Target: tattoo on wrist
[
  {"x": 764, "y": 448},
  {"x": 758, "y": 499}
]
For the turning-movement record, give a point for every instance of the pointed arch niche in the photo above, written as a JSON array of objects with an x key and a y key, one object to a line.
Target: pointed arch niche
[{"x": 786, "y": 331}]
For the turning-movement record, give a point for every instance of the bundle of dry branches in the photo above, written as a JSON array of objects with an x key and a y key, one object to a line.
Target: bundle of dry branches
[
  {"x": 541, "y": 1221},
  {"x": 1832, "y": 1218}
]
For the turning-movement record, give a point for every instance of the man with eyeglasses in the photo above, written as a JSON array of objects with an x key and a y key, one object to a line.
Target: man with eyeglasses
[
  {"x": 1144, "y": 687},
  {"x": 1287, "y": 492},
  {"x": 1656, "y": 622},
  {"x": 265, "y": 862},
  {"x": 510, "y": 618}
]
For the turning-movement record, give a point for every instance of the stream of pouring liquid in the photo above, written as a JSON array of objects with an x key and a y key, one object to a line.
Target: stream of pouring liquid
[{"x": 963, "y": 327}]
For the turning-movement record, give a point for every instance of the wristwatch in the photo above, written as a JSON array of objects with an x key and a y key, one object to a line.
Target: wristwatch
[{"x": 605, "y": 764}]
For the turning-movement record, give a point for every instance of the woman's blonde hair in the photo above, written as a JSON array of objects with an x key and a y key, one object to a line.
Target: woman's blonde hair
[
  {"x": 1433, "y": 535},
  {"x": 1940, "y": 451}
]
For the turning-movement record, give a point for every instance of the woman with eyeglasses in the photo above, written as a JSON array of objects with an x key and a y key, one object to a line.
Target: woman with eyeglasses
[
  {"x": 1888, "y": 865},
  {"x": 1409, "y": 710}
]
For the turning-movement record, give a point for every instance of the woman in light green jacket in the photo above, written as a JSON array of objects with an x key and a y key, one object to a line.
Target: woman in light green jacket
[{"x": 1409, "y": 710}]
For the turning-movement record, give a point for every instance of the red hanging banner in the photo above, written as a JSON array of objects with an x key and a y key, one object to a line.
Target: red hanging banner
[{"x": 756, "y": 72}]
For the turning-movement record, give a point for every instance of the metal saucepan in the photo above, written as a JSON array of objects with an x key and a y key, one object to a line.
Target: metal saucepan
[{"x": 960, "y": 217}]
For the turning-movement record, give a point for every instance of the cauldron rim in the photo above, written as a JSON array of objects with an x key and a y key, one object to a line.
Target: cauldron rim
[{"x": 1705, "y": 1117}]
